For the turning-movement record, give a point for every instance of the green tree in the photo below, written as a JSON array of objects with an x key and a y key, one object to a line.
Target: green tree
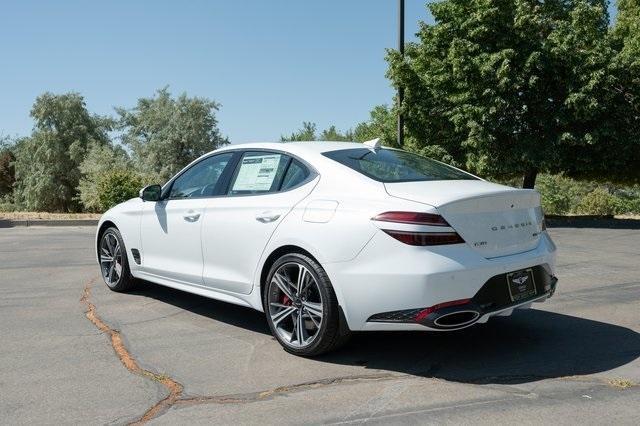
[
  {"x": 164, "y": 133},
  {"x": 506, "y": 87},
  {"x": 308, "y": 133},
  {"x": 381, "y": 124},
  {"x": 7, "y": 170},
  {"x": 47, "y": 162},
  {"x": 333, "y": 134},
  {"x": 305, "y": 134},
  {"x": 626, "y": 31},
  {"x": 621, "y": 119}
]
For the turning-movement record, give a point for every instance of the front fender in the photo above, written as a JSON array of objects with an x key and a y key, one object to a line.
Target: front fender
[{"x": 126, "y": 217}]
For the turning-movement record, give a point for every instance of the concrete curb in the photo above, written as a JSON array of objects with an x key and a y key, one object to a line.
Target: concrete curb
[{"x": 8, "y": 223}]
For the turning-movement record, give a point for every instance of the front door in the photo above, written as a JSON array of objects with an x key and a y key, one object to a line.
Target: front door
[{"x": 171, "y": 228}]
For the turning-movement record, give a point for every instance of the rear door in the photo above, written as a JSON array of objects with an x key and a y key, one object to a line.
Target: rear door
[{"x": 264, "y": 188}]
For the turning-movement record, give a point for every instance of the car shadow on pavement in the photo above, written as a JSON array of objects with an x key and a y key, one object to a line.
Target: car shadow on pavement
[
  {"x": 234, "y": 315},
  {"x": 528, "y": 346}
]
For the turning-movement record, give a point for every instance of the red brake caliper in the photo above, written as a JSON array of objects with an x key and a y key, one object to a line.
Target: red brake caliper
[{"x": 285, "y": 300}]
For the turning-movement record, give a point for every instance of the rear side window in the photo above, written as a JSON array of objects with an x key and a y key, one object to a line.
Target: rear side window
[
  {"x": 258, "y": 173},
  {"x": 296, "y": 174},
  {"x": 390, "y": 165}
]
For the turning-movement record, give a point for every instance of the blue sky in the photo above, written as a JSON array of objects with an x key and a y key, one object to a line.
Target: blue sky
[{"x": 271, "y": 64}]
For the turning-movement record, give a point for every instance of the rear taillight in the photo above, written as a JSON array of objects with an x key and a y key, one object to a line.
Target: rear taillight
[
  {"x": 412, "y": 218},
  {"x": 417, "y": 237},
  {"x": 425, "y": 238}
]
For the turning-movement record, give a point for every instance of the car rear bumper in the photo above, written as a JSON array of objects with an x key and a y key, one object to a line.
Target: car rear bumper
[{"x": 388, "y": 277}]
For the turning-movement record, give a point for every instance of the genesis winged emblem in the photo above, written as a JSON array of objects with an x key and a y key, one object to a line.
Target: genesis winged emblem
[{"x": 521, "y": 280}]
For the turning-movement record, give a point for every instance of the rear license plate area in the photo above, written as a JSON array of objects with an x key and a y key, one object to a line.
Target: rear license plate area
[{"x": 521, "y": 285}]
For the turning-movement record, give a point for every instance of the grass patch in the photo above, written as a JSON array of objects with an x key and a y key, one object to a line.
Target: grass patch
[{"x": 621, "y": 383}]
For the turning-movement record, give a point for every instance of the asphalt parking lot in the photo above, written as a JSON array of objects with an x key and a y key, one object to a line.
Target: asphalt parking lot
[{"x": 74, "y": 352}]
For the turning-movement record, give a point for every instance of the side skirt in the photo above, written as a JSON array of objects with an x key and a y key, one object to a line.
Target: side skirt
[{"x": 236, "y": 299}]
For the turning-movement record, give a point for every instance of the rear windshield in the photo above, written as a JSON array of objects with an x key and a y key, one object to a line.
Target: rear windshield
[{"x": 390, "y": 165}]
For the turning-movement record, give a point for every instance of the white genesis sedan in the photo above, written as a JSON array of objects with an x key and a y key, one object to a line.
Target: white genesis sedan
[{"x": 332, "y": 237}]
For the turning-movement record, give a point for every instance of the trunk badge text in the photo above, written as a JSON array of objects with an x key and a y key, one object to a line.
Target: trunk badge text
[{"x": 515, "y": 225}]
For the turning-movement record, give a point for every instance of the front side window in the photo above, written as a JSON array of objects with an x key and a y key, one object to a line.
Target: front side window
[
  {"x": 258, "y": 173},
  {"x": 390, "y": 165},
  {"x": 202, "y": 179}
]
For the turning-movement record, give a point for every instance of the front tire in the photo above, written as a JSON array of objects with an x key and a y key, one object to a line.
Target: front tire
[
  {"x": 114, "y": 265},
  {"x": 301, "y": 306}
]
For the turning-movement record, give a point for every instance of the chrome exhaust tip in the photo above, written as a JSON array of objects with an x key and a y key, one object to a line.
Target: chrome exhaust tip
[
  {"x": 453, "y": 317},
  {"x": 457, "y": 319}
]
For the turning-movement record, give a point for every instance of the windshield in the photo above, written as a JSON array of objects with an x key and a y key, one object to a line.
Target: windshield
[{"x": 390, "y": 165}]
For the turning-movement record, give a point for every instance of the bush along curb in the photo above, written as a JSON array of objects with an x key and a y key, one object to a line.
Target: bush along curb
[
  {"x": 553, "y": 221},
  {"x": 8, "y": 223}
]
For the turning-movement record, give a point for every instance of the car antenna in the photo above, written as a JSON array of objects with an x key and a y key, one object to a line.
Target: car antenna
[{"x": 373, "y": 144}]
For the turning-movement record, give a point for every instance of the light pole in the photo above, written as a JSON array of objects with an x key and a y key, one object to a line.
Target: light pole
[{"x": 400, "y": 88}]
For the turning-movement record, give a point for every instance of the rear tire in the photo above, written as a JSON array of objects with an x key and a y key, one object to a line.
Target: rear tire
[
  {"x": 298, "y": 296},
  {"x": 114, "y": 264}
]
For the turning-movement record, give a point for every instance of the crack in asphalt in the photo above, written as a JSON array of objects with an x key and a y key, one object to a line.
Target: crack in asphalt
[
  {"x": 129, "y": 362},
  {"x": 176, "y": 389},
  {"x": 271, "y": 393}
]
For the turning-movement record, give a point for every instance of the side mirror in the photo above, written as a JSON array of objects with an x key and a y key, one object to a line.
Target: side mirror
[{"x": 151, "y": 193}]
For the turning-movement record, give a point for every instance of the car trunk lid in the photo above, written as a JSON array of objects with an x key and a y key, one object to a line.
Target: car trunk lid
[{"x": 495, "y": 220}]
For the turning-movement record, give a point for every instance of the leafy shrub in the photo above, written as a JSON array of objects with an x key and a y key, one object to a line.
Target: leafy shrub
[
  {"x": 117, "y": 186},
  {"x": 559, "y": 194},
  {"x": 630, "y": 206},
  {"x": 6, "y": 203},
  {"x": 629, "y": 199},
  {"x": 599, "y": 202},
  {"x": 100, "y": 159}
]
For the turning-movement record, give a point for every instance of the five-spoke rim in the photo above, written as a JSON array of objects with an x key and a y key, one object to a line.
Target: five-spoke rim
[
  {"x": 295, "y": 305},
  {"x": 110, "y": 259}
]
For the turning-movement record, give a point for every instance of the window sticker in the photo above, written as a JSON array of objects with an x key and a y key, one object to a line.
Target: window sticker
[{"x": 257, "y": 173}]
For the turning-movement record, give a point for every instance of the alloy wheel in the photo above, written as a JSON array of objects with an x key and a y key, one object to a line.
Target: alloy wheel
[
  {"x": 110, "y": 259},
  {"x": 295, "y": 305}
]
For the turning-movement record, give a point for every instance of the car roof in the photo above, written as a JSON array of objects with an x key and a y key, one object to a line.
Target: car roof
[
  {"x": 311, "y": 147},
  {"x": 308, "y": 151}
]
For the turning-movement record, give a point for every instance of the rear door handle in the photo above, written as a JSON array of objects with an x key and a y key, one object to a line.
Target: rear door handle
[
  {"x": 191, "y": 216},
  {"x": 267, "y": 217}
]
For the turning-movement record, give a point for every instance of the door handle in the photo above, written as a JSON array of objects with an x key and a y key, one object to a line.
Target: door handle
[
  {"x": 191, "y": 216},
  {"x": 267, "y": 217}
]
